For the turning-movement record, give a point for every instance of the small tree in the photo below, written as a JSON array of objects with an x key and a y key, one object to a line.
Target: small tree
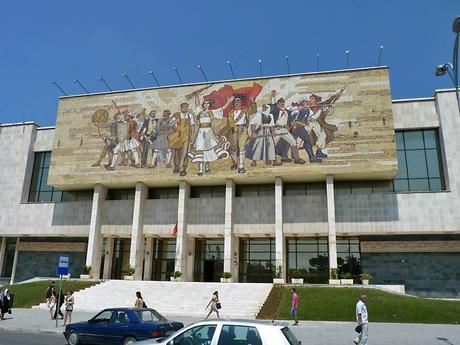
[
  {"x": 86, "y": 269},
  {"x": 334, "y": 273},
  {"x": 226, "y": 275},
  {"x": 177, "y": 274}
]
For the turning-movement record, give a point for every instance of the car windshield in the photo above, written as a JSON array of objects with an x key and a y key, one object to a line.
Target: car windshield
[
  {"x": 290, "y": 336},
  {"x": 150, "y": 315}
]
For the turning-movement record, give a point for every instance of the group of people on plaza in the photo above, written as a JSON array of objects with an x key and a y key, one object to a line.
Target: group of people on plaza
[
  {"x": 55, "y": 301},
  {"x": 6, "y": 303},
  {"x": 235, "y": 128}
]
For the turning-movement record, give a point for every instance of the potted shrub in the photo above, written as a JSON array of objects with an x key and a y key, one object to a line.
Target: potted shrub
[
  {"x": 226, "y": 277},
  {"x": 334, "y": 276},
  {"x": 131, "y": 271},
  {"x": 365, "y": 277},
  {"x": 86, "y": 272},
  {"x": 347, "y": 279},
  {"x": 176, "y": 276},
  {"x": 296, "y": 277},
  {"x": 277, "y": 275}
]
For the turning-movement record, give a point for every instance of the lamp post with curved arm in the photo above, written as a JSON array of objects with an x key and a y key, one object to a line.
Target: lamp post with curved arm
[{"x": 452, "y": 68}]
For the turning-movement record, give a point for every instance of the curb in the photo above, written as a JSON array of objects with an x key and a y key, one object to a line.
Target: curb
[{"x": 31, "y": 330}]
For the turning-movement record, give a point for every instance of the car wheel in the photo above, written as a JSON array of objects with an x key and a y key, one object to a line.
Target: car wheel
[
  {"x": 129, "y": 340},
  {"x": 73, "y": 338}
]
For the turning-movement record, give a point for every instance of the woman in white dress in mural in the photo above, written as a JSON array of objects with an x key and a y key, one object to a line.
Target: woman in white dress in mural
[{"x": 207, "y": 146}]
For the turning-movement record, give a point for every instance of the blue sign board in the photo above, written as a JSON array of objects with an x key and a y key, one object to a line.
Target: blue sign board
[{"x": 63, "y": 262}]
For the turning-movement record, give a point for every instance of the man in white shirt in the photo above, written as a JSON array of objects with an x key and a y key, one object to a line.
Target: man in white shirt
[{"x": 361, "y": 318}]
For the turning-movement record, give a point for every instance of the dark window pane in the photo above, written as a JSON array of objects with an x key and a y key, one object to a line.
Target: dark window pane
[
  {"x": 84, "y": 195},
  {"x": 38, "y": 162},
  {"x": 435, "y": 184},
  {"x": 418, "y": 185},
  {"x": 416, "y": 164},
  {"x": 430, "y": 139},
  {"x": 57, "y": 196},
  {"x": 342, "y": 188},
  {"x": 44, "y": 180},
  {"x": 246, "y": 191},
  {"x": 46, "y": 161},
  {"x": 361, "y": 187},
  {"x": 218, "y": 192},
  {"x": 69, "y": 196},
  {"x": 44, "y": 197},
  {"x": 401, "y": 185},
  {"x": 402, "y": 167},
  {"x": 316, "y": 188},
  {"x": 266, "y": 189},
  {"x": 294, "y": 189},
  {"x": 399, "y": 140},
  {"x": 33, "y": 197},
  {"x": 382, "y": 186},
  {"x": 433, "y": 163},
  {"x": 413, "y": 140}
]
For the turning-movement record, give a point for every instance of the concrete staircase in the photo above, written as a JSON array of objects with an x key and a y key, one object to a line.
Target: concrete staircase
[{"x": 239, "y": 300}]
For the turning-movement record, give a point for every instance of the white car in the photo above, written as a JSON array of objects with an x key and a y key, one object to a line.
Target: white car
[{"x": 229, "y": 332}]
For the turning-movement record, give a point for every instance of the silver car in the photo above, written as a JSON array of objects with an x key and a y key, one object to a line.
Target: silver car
[{"x": 229, "y": 332}]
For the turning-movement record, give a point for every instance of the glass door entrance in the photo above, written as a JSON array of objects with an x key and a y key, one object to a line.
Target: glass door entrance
[
  {"x": 257, "y": 258},
  {"x": 209, "y": 259},
  {"x": 164, "y": 255},
  {"x": 120, "y": 261}
]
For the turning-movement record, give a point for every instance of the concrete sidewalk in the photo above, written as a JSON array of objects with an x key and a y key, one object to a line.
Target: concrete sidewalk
[{"x": 309, "y": 332}]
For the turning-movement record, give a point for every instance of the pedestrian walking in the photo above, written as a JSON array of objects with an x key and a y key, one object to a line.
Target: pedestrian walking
[
  {"x": 6, "y": 304},
  {"x": 362, "y": 319},
  {"x": 60, "y": 298},
  {"x": 69, "y": 302},
  {"x": 294, "y": 306},
  {"x": 139, "y": 303},
  {"x": 51, "y": 304},
  {"x": 48, "y": 291},
  {"x": 215, "y": 304}
]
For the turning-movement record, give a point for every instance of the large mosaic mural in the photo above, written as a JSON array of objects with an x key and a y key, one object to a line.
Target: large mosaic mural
[{"x": 303, "y": 126}]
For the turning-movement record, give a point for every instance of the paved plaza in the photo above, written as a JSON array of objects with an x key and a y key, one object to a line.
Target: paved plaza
[{"x": 309, "y": 332}]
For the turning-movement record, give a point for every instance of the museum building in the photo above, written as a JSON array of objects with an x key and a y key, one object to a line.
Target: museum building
[{"x": 383, "y": 198}]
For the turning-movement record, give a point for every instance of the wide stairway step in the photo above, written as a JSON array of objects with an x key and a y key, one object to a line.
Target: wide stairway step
[{"x": 239, "y": 300}]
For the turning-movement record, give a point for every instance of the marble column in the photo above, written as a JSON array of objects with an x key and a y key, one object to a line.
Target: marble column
[
  {"x": 229, "y": 238},
  {"x": 93, "y": 254},
  {"x": 15, "y": 262},
  {"x": 136, "y": 252},
  {"x": 108, "y": 258},
  {"x": 331, "y": 222},
  {"x": 148, "y": 258},
  {"x": 279, "y": 236},
  {"x": 181, "y": 238},
  {"x": 2, "y": 254}
]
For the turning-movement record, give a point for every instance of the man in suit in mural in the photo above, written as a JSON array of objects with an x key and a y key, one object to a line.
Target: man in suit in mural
[
  {"x": 122, "y": 136},
  {"x": 143, "y": 121},
  {"x": 283, "y": 118},
  {"x": 160, "y": 145},
  {"x": 181, "y": 139}
]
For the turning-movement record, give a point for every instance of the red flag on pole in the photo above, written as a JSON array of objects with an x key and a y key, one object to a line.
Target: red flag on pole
[{"x": 174, "y": 231}]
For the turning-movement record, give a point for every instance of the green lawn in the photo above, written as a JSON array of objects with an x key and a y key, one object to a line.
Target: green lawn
[
  {"x": 338, "y": 304},
  {"x": 29, "y": 294}
]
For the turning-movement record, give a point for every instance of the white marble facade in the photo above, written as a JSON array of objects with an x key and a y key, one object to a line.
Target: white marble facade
[{"x": 276, "y": 217}]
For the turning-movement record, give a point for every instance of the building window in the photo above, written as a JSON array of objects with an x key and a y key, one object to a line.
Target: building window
[
  {"x": 349, "y": 256},
  {"x": 362, "y": 187},
  {"x": 257, "y": 260},
  {"x": 164, "y": 193},
  {"x": 314, "y": 188},
  {"x": 77, "y": 195},
  {"x": 255, "y": 190},
  {"x": 121, "y": 194},
  {"x": 164, "y": 255},
  {"x": 310, "y": 257},
  {"x": 208, "y": 192},
  {"x": 419, "y": 161},
  {"x": 40, "y": 191}
]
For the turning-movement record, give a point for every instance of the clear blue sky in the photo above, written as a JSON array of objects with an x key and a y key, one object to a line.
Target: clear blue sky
[{"x": 61, "y": 40}]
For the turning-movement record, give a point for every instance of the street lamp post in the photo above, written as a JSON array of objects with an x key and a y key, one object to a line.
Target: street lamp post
[{"x": 452, "y": 68}]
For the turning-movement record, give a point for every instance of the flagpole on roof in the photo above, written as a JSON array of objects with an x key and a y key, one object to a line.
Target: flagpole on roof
[
  {"x": 154, "y": 77},
  {"x": 317, "y": 62},
  {"x": 287, "y": 64},
  {"x": 105, "y": 83},
  {"x": 229, "y": 63},
  {"x": 202, "y": 72},
  {"x": 380, "y": 55},
  {"x": 178, "y": 75},
  {"x": 260, "y": 67},
  {"x": 124, "y": 75},
  {"x": 60, "y": 89},
  {"x": 76, "y": 81}
]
